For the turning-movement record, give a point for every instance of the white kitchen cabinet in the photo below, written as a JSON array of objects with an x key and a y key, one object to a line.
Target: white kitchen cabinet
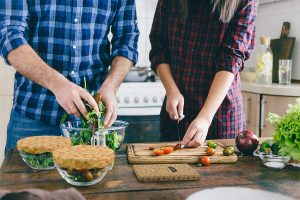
[
  {"x": 5, "y": 107},
  {"x": 252, "y": 111},
  {"x": 273, "y": 104},
  {"x": 260, "y": 100}
]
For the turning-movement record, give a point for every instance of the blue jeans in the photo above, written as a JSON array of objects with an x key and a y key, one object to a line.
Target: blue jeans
[{"x": 20, "y": 126}]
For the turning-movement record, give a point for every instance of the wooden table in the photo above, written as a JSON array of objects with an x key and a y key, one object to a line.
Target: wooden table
[{"x": 121, "y": 183}]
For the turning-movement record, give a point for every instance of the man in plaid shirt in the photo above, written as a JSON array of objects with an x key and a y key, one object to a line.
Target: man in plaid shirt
[{"x": 54, "y": 45}]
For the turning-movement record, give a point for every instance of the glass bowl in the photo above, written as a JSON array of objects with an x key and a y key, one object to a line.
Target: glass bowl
[
  {"x": 84, "y": 177},
  {"x": 272, "y": 160},
  {"x": 111, "y": 137},
  {"x": 42, "y": 161}
]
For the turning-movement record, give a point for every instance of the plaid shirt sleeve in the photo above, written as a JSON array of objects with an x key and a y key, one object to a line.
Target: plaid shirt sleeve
[
  {"x": 239, "y": 39},
  {"x": 125, "y": 31},
  {"x": 13, "y": 26},
  {"x": 158, "y": 37}
]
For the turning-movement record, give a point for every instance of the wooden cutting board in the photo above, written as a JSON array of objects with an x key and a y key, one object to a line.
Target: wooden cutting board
[
  {"x": 165, "y": 172},
  {"x": 140, "y": 154}
]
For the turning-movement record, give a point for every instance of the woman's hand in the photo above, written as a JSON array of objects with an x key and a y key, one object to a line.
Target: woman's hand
[
  {"x": 196, "y": 133},
  {"x": 174, "y": 104}
]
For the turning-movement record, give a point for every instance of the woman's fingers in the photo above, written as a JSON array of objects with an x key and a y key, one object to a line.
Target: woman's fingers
[
  {"x": 180, "y": 107},
  {"x": 189, "y": 135},
  {"x": 172, "y": 110},
  {"x": 196, "y": 141}
]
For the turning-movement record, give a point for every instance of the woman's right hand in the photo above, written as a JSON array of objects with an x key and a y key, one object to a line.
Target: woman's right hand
[{"x": 174, "y": 104}]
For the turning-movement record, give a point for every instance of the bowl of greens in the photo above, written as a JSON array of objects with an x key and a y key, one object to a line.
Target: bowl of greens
[{"x": 79, "y": 133}]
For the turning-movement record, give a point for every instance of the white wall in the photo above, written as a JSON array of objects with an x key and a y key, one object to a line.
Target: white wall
[
  {"x": 145, "y": 13},
  {"x": 6, "y": 93},
  {"x": 269, "y": 22}
]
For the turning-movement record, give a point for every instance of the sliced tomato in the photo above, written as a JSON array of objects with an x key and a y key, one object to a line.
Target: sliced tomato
[
  {"x": 158, "y": 152},
  {"x": 168, "y": 150}
]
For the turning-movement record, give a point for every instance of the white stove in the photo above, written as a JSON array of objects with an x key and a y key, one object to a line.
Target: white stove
[{"x": 140, "y": 98}]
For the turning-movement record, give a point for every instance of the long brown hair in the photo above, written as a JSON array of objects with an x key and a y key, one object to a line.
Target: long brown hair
[{"x": 225, "y": 8}]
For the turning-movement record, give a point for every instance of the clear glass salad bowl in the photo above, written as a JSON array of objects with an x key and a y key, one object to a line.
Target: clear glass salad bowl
[
  {"x": 42, "y": 161},
  {"x": 85, "y": 177},
  {"x": 111, "y": 137},
  {"x": 272, "y": 160}
]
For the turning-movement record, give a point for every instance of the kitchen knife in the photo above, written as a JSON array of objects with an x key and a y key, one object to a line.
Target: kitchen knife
[{"x": 178, "y": 133}]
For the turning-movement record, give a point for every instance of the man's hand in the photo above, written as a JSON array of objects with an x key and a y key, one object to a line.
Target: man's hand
[
  {"x": 196, "y": 133},
  {"x": 70, "y": 95},
  {"x": 174, "y": 104},
  {"x": 108, "y": 97}
]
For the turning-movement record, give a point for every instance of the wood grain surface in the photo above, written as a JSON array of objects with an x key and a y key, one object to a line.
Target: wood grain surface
[
  {"x": 121, "y": 183},
  {"x": 140, "y": 154}
]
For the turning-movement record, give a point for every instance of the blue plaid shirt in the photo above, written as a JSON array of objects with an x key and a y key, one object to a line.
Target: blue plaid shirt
[{"x": 71, "y": 37}]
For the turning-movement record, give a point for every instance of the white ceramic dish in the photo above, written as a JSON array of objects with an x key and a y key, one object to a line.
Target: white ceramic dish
[{"x": 236, "y": 193}]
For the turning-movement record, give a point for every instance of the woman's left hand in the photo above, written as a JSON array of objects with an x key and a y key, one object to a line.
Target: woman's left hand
[{"x": 196, "y": 133}]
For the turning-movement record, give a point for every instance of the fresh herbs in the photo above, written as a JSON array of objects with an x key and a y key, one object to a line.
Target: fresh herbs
[
  {"x": 287, "y": 131},
  {"x": 93, "y": 124},
  {"x": 38, "y": 161}
]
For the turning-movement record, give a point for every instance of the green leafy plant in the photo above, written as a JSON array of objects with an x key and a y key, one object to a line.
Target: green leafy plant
[
  {"x": 94, "y": 121},
  {"x": 287, "y": 131},
  {"x": 38, "y": 161}
]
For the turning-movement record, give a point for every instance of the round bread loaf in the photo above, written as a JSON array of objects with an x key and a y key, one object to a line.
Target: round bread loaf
[
  {"x": 82, "y": 157},
  {"x": 42, "y": 144}
]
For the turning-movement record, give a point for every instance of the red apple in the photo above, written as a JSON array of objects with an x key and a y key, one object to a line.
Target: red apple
[{"x": 246, "y": 142}]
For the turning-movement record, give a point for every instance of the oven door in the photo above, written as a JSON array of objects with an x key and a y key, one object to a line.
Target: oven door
[{"x": 144, "y": 124}]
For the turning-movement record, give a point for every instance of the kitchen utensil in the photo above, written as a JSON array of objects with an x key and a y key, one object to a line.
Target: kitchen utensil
[
  {"x": 282, "y": 48},
  {"x": 165, "y": 172},
  {"x": 139, "y": 153},
  {"x": 178, "y": 130}
]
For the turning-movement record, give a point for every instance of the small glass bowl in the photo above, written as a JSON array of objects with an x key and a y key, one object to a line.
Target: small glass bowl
[
  {"x": 42, "y": 161},
  {"x": 272, "y": 160},
  {"x": 111, "y": 137},
  {"x": 85, "y": 177}
]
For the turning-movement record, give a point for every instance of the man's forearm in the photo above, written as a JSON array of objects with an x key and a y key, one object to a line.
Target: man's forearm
[
  {"x": 119, "y": 69},
  {"x": 217, "y": 93},
  {"x": 26, "y": 61}
]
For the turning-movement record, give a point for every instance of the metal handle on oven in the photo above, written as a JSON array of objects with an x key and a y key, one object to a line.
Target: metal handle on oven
[{"x": 262, "y": 114}]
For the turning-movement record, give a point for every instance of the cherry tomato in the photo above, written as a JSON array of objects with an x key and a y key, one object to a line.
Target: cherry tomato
[
  {"x": 168, "y": 150},
  {"x": 158, "y": 152},
  {"x": 177, "y": 146},
  {"x": 210, "y": 151},
  {"x": 205, "y": 160}
]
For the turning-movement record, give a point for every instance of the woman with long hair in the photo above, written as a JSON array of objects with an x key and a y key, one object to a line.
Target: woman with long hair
[{"x": 198, "y": 50}]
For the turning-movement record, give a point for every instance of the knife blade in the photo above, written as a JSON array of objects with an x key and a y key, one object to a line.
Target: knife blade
[{"x": 178, "y": 131}]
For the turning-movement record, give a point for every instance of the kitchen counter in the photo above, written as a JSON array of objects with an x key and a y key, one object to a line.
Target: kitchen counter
[
  {"x": 273, "y": 89},
  {"x": 121, "y": 183}
]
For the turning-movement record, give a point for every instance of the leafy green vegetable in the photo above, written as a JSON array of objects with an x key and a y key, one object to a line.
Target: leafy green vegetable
[
  {"x": 287, "y": 131},
  {"x": 38, "y": 161},
  {"x": 95, "y": 122},
  {"x": 113, "y": 140}
]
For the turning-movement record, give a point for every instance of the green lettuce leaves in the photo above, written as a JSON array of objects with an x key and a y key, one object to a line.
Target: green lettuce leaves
[{"x": 287, "y": 130}]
